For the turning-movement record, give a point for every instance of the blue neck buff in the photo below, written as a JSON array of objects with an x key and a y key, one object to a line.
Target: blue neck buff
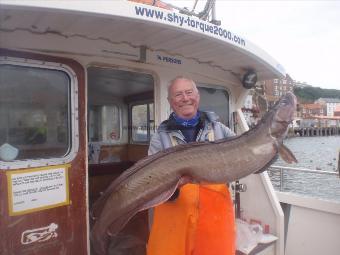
[{"x": 187, "y": 123}]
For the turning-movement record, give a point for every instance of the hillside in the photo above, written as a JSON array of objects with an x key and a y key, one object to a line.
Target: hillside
[{"x": 310, "y": 94}]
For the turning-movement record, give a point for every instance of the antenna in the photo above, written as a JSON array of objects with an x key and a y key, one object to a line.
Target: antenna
[{"x": 208, "y": 11}]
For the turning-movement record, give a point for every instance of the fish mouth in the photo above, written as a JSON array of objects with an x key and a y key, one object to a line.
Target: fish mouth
[
  {"x": 284, "y": 115},
  {"x": 287, "y": 108}
]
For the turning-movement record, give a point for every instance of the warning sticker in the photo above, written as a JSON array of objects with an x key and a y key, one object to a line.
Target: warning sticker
[{"x": 37, "y": 189}]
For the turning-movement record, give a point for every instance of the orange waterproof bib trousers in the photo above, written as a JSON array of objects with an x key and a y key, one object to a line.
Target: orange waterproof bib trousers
[{"x": 199, "y": 222}]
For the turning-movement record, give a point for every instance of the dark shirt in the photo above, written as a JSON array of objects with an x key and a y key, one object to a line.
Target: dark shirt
[{"x": 189, "y": 133}]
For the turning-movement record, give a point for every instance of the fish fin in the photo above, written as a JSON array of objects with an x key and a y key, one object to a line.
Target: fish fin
[
  {"x": 115, "y": 184},
  {"x": 163, "y": 197},
  {"x": 117, "y": 225},
  {"x": 113, "y": 187},
  {"x": 286, "y": 154}
]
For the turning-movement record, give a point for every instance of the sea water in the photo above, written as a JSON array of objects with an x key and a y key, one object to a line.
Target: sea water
[{"x": 315, "y": 153}]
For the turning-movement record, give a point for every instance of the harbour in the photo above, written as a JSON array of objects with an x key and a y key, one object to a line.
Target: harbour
[
  {"x": 74, "y": 76},
  {"x": 315, "y": 174},
  {"x": 315, "y": 131}
]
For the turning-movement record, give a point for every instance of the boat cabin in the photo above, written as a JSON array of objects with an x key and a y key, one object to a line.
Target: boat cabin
[{"x": 83, "y": 88}]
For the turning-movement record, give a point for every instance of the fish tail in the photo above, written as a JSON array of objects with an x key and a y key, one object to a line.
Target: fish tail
[{"x": 286, "y": 154}]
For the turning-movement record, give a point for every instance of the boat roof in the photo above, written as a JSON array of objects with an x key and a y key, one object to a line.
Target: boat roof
[{"x": 137, "y": 25}]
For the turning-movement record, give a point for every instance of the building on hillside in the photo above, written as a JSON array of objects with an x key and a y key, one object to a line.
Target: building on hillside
[
  {"x": 274, "y": 89},
  {"x": 337, "y": 111},
  {"x": 331, "y": 104},
  {"x": 309, "y": 110}
]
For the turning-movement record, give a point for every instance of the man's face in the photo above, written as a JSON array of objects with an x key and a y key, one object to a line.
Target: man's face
[{"x": 184, "y": 98}]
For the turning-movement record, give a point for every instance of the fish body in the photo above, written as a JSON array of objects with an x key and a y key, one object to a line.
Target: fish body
[{"x": 154, "y": 179}]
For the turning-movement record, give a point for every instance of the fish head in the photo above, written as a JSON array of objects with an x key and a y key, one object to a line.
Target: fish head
[{"x": 283, "y": 115}]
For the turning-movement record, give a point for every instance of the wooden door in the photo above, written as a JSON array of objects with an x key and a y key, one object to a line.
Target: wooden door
[{"x": 43, "y": 203}]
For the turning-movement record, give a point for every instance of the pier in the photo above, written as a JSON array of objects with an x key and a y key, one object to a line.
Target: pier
[
  {"x": 316, "y": 126},
  {"x": 315, "y": 131}
]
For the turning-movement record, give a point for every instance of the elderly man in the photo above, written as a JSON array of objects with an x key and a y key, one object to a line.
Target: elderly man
[{"x": 197, "y": 219}]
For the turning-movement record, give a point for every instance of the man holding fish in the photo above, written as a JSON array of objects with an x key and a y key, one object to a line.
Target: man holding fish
[
  {"x": 200, "y": 219},
  {"x": 197, "y": 219}
]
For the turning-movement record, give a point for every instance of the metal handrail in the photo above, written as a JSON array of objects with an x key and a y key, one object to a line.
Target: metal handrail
[
  {"x": 305, "y": 170},
  {"x": 302, "y": 170}
]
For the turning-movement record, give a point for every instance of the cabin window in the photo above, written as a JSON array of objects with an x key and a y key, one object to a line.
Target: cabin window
[
  {"x": 120, "y": 114},
  {"x": 34, "y": 112},
  {"x": 216, "y": 100},
  {"x": 104, "y": 123},
  {"x": 142, "y": 122}
]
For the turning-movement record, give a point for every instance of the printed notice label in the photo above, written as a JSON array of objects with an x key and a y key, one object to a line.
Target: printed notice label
[{"x": 37, "y": 189}]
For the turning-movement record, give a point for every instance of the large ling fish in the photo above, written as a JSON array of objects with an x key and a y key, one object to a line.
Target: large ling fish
[{"x": 154, "y": 179}]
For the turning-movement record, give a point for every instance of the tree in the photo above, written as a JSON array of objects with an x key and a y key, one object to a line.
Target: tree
[{"x": 310, "y": 94}]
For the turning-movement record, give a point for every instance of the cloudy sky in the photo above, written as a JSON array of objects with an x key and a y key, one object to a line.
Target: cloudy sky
[{"x": 303, "y": 36}]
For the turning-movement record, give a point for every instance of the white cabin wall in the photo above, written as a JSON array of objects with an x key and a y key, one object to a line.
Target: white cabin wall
[
  {"x": 313, "y": 225},
  {"x": 260, "y": 202},
  {"x": 307, "y": 234},
  {"x": 162, "y": 71}
]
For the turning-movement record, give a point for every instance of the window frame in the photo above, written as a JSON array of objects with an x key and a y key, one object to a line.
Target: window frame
[
  {"x": 230, "y": 123},
  {"x": 131, "y": 105},
  {"x": 73, "y": 113},
  {"x": 113, "y": 142}
]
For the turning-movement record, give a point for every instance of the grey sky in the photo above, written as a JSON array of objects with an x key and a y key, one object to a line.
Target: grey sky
[{"x": 303, "y": 36}]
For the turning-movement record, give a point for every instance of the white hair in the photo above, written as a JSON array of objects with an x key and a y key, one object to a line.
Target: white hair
[{"x": 181, "y": 77}]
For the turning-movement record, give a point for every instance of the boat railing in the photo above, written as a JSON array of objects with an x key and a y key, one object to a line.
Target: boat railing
[{"x": 309, "y": 182}]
